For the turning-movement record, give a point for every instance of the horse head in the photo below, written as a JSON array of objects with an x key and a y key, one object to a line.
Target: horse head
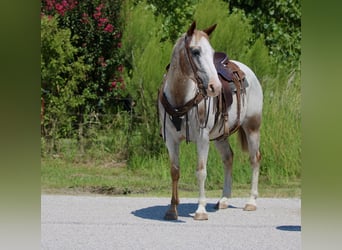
[{"x": 201, "y": 57}]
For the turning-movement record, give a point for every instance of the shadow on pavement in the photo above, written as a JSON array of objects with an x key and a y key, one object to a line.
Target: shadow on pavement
[
  {"x": 290, "y": 228},
  {"x": 186, "y": 210}
]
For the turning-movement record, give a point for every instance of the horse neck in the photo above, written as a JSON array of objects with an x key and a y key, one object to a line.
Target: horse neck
[{"x": 180, "y": 86}]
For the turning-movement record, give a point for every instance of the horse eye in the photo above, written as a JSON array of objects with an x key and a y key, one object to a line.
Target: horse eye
[{"x": 196, "y": 52}]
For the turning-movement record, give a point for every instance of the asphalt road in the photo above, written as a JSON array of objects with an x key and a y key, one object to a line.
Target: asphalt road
[{"x": 103, "y": 222}]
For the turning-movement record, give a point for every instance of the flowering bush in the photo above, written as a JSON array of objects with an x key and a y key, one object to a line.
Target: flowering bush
[
  {"x": 81, "y": 69},
  {"x": 96, "y": 28}
]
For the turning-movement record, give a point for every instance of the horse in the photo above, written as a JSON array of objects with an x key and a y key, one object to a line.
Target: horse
[{"x": 190, "y": 108}]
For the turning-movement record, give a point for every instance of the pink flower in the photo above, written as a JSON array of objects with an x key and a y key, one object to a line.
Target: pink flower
[
  {"x": 114, "y": 84},
  {"x": 97, "y": 15},
  {"x": 119, "y": 45},
  {"x": 60, "y": 9},
  {"x": 65, "y": 4},
  {"x": 109, "y": 28},
  {"x": 102, "y": 22},
  {"x": 49, "y": 4}
]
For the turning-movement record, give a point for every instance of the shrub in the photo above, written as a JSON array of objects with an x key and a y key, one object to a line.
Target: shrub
[
  {"x": 61, "y": 74},
  {"x": 93, "y": 39}
]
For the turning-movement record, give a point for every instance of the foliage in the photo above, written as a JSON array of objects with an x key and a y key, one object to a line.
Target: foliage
[
  {"x": 147, "y": 58},
  {"x": 95, "y": 28},
  {"x": 95, "y": 64},
  {"x": 233, "y": 35},
  {"x": 61, "y": 74},
  {"x": 175, "y": 15},
  {"x": 279, "y": 22}
]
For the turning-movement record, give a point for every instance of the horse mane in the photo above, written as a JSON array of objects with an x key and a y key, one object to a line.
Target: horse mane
[{"x": 178, "y": 57}]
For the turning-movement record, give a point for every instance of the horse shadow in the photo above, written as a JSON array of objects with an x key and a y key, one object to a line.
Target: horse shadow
[
  {"x": 185, "y": 210},
  {"x": 292, "y": 228}
]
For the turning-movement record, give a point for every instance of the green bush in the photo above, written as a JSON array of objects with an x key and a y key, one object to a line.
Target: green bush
[{"x": 61, "y": 74}]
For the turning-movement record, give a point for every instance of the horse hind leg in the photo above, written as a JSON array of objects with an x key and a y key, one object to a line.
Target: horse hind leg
[
  {"x": 249, "y": 136},
  {"x": 227, "y": 158}
]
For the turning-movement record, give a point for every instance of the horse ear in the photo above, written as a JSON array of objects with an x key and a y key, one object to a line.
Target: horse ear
[
  {"x": 191, "y": 29},
  {"x": 210, "y": 29}
]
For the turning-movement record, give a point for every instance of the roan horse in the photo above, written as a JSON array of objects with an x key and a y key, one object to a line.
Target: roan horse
[{"x": 190, "y": 107}]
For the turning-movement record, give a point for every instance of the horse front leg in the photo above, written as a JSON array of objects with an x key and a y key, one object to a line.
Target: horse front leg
[
  {"x": 201, "y": 173},
  {"x": 173, "y": 149}
]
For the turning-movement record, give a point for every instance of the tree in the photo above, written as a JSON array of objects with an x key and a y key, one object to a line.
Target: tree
[
  {"x": 279, "y": 22},
  {"x": 176, "y": 15}
]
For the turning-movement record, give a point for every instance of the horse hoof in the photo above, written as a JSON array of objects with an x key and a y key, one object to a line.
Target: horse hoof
[
  {"x": 249, "y": 207},
  {"x": 221, "y": 205},
  {"x": 171, "y": 215},
  {"x": 201, "y": 216}
]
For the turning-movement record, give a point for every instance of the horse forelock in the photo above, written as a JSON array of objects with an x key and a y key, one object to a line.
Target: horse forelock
[{"x": 198, "y": 34}]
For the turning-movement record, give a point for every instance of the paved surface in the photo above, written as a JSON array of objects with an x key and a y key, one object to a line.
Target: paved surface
[{"x": 101, "y": 222}]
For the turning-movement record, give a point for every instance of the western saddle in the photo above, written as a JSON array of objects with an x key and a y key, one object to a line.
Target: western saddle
[{"x": 233, "y": 81}]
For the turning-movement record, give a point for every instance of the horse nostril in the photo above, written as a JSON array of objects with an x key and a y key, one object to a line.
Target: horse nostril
[{"x": 212, "y": 89}]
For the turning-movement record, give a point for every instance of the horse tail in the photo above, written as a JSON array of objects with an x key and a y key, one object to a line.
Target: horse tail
[{"x": 243, "y": 139}]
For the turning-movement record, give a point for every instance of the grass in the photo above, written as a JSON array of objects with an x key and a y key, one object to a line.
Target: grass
[{"x": 62, "y": 177}]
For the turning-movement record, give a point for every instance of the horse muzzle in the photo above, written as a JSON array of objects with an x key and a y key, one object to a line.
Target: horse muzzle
[{"x": 214, "y": 88}]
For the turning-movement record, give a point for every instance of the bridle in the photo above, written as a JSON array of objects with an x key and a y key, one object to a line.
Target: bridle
[
  {"x": 198, "y": 80},
  {"x": 200, "y": 95},
  {"x": 177, "y": 112}
]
